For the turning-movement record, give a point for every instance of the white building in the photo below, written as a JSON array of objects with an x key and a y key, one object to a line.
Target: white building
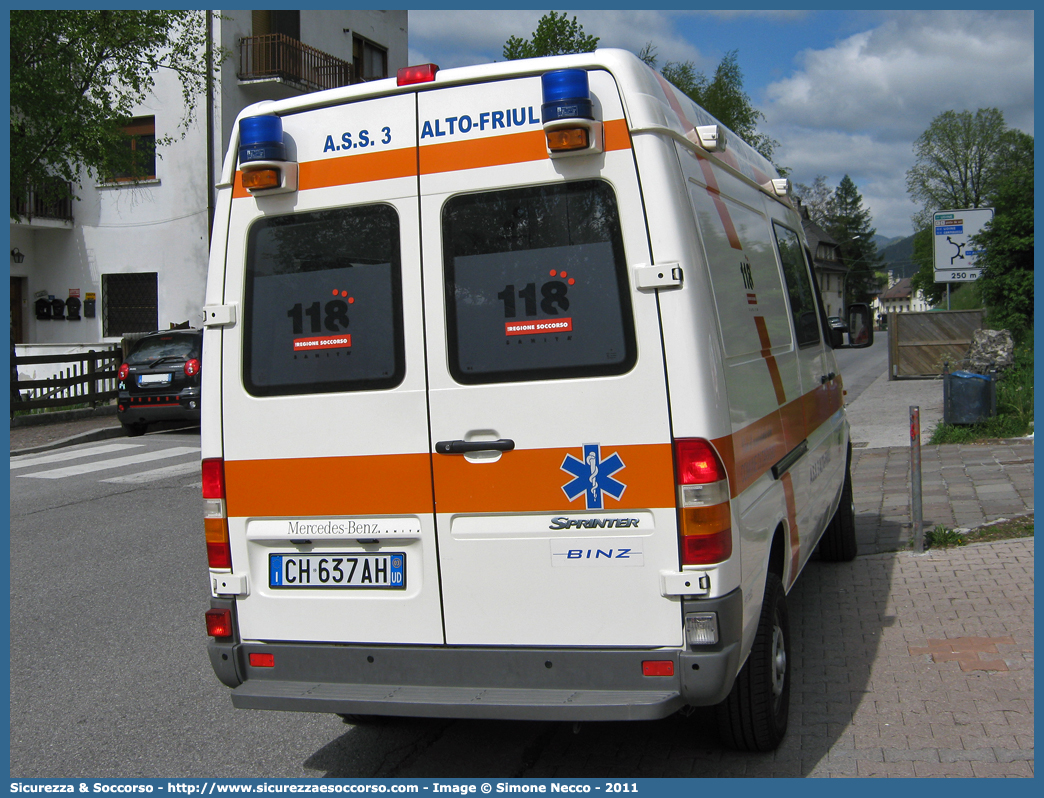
[
  {"x": 900, "y": 297},
  {"x": 139, "y": 250}
]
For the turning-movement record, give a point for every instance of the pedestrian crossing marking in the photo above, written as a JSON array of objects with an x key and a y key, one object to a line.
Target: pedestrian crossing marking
[
  {"x": 176, "y": 470},
  {"x": 117, "y": 462},
  {"x": 27, "y": 461}
]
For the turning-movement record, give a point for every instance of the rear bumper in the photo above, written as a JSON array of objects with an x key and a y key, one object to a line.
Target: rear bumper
[
  {"x": 143, "y": 409},
  {"x": 503, "y": 683}
]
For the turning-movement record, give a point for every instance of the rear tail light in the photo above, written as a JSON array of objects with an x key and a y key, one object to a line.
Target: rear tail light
[
  {"x": 192, "y": 368},
  {"x": 215, "y": 514},
  {"x": 704, "y": 513},
  {"x": 219, "y": 623},
  {"x": 123, "y": 372}
]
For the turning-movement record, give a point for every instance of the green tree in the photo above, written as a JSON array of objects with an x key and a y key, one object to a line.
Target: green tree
[
  {"x": 1007, "y": 243},
  {"x": 76, "y": 76},
  {"x": 962, "y": 159},
  {"x": 848, "y": 223},
  {"x": 555, "y": 34},
  {"x": 924, "y": 257},
  {"x": 957, "y": 162},
  {"x": 721, "y": 94},
  {"x": 818, "y": 199}
]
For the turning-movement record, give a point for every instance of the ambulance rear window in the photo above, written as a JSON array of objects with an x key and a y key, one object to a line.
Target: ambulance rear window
[
  {"x": 536, "y": 284},
  {"x": 324, "y": 303}
]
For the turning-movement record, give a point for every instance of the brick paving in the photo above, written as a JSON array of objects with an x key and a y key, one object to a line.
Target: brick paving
[
  {"x": 962, "y": 486},
  {"x": 903, "y": 664}
]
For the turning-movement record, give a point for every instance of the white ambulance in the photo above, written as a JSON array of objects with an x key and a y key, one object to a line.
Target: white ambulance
[{"x": 523, "y": 403}]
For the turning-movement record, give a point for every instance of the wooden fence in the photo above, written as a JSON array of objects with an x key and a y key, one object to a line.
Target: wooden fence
[
  {"x": 90, "y": 378},
  {"x": 920, "y": 344}
]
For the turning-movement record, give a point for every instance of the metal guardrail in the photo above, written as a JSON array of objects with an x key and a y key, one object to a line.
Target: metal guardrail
[
  {"x": 276, "y": 55},
  {"x": 90, "y": 379},
  {"x": 45, "y": 202}
]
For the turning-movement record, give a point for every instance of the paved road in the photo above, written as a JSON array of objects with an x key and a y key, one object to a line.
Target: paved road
[
  {"x": 861, "y": 367},
  {"x": 109, "y": 675}
]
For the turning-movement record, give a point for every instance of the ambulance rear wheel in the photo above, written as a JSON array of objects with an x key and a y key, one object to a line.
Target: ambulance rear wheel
[
  {"x": 754, "y": 716},
  {"x": 134, "y": 430},
  {"x": 361, "y": 720},
  {"x": 838, "y": 543}
]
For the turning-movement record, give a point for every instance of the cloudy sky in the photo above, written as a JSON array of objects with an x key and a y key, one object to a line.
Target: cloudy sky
[{"x": 844, "y": 92}]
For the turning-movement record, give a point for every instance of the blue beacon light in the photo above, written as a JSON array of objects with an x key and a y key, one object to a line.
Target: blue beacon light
[
  {"x": 261, "y": 139},
  {"x": 566, "y": 95}
]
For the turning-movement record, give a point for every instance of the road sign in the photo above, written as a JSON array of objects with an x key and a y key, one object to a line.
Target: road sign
[
  {"x": 957, "y": 275},
  {"x": 955, "y": 255}
]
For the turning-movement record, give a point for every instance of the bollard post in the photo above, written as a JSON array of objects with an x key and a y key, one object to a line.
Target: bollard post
[{"x": 915, "y": 480}]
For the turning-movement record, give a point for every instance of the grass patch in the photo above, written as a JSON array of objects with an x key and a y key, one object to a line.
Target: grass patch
[
  {"x": 1021, "y": 527},
  {"x": 942, "y": 537},
  {"x": 43, "y": 411},
  {"x": 1014, "y": 417}
]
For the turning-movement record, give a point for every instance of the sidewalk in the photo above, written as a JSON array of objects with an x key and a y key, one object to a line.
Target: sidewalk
[
  {"x": 32, "y": 434},
  {"x": 964, "y": 485}
]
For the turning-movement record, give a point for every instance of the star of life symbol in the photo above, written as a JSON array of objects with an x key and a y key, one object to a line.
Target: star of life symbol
[{"x": 593, "y": 476}]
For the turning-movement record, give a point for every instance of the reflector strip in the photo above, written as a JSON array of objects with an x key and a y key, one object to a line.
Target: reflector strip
[
  {"x": 657, "y": 667},
  {"x": 795, "y": 541},
  {"x": 719, "y": 204},
  {"x": 348, "y": 169},
  {"x": 258, "y": 660},
  {"x": 770, "y": 360},
  {"x": 434, "y": 159},
  {"x": 501, "y": 150}
]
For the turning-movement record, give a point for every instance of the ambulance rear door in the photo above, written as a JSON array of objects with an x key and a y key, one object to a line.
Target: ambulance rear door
[
  {"x": 552, "y": 464},
  {"x": 327, "y": 464}
]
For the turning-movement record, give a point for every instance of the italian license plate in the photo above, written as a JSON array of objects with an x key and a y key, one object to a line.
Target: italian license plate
[
  {"x": 154, "y": 379},
  {"x": 386, "y": 570}
]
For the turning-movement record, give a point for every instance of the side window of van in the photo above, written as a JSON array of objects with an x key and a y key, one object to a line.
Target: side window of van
[
  {"x": 799, "y": 286},
  {"x": 323, "y": 305},
  {"x": 536, "y": 284}
]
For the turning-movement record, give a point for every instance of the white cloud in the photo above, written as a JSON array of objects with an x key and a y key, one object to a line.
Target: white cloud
[
  {"x": 462, "y": 38},
  {"x": 856, "y": 107},
  {"x": 893, "y": 80}
]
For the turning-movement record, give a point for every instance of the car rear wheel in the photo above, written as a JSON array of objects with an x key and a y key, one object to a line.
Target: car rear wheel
[
  {"x": 838, "y": 543},
  {"x": 134, "y": 430},
  {"x": 754, "y": 716}
]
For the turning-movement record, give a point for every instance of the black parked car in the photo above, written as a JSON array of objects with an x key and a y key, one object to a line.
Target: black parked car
[{"x": 160, "y": 380}]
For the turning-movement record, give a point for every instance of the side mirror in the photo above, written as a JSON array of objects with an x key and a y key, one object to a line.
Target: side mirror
[{"x": 860, "y": 326}]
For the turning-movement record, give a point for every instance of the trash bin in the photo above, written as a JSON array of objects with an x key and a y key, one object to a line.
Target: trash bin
[{"x": 968, "y": 398}]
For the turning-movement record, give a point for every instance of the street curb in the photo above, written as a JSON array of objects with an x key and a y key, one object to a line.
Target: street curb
[
  {"x": 103, "y": 434},
  {"x": 62, "y": 416}
]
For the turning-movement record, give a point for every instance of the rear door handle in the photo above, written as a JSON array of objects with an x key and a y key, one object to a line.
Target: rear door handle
[{"x": 464, "y": 447}]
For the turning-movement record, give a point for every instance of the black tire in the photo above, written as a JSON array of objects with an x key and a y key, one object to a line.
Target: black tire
[
  {"x": 838, "y": 543},
  {"x": 134, "y": 430},
  {"x": 754, "y": 716},
  {"x": 362, "y": 720}
]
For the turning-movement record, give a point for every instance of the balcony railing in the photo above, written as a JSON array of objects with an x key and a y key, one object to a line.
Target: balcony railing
[
  {"x": 277, "y": 55},
  {"x": 48, "y": 201}
]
